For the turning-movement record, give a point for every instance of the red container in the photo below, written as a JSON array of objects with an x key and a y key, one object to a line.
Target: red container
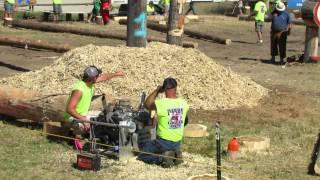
[{"x": 233, "y": 145}]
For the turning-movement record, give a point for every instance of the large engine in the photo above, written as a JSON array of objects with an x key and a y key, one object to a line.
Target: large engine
[{"x": 121, "y": 127}]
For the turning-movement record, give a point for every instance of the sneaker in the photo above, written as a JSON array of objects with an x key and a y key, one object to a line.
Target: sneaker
[
  {"x": 260, "y": 41},
  {"x": 167, "y": 162}
]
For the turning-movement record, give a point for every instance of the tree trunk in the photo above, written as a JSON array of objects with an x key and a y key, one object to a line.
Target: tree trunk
[
  {"x": 38, "y": 44},
  {"x": 175, "y": 24},
  {"x": 311, "y": 43},
  {"x": 136, "y": 28},
  {"x": 21, "y": 103}
]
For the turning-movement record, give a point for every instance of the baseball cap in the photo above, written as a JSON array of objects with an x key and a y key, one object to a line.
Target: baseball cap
[
  {"x": 280, "y": 6},
  {"x": 91, "y": 71},
  {"x": 169, "y": 83}
]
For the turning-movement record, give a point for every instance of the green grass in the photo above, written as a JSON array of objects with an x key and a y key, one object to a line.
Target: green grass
[
  {"x": 288, "y": 157},
  {"x": 26, "y": 154}
]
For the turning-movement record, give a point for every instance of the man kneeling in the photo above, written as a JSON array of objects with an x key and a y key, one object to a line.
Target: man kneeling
[{"x": 172, "y": 117}]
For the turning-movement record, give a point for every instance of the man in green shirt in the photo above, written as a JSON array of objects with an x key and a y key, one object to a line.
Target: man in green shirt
[
  {"x": 171, "y": 113},
  {"x": 259, "y": 12},
  {"x": 79, "y": 101},
  {"x": 95, "y": 10},
  {"x": 8, "y": 8},
  {"x": 57, "y": 10}
]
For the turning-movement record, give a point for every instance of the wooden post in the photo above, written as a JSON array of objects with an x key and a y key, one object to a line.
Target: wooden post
[
  {"x": 311, "y": 42},
  {"x": 136, "y": 27},
  {"x": 175, "y": 24}
]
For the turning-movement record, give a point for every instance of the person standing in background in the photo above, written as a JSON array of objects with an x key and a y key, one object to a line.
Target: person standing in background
[
  {"x": 280, "y": 29},
  {"x": 259, "y": 12},
  {"x": 191, "y": 8},
  {"x": 105, "y": 11},
  {"x": 9, "y": 6},
  {"x": 57, "y": 10}
]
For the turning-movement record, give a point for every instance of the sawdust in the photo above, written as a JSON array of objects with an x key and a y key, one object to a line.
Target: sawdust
[{"x": 204, "y": 83}]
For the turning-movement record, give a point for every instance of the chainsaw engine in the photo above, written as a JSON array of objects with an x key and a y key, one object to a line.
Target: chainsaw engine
[{"x": 121, "y": 127}]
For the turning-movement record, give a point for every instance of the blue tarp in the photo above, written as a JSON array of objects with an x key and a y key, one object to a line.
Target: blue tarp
[
  {"x": 23, "y": 2},
  {"x": 295, "y": 3}
]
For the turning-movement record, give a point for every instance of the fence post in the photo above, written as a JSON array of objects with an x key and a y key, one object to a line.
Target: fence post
[{"x": 218, "y": 150}]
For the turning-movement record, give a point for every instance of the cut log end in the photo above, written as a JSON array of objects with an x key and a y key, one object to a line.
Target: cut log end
[{"x": 228, "y": 42}]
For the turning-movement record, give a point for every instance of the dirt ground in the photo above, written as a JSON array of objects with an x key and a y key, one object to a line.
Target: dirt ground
[{"x": 295, "y": 90}]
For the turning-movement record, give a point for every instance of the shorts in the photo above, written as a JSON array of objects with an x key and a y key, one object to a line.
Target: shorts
[
  {"x": 57, "y": 9},
  {"x": 259, "y": 26},
  {"x": 8, "y": 7}
]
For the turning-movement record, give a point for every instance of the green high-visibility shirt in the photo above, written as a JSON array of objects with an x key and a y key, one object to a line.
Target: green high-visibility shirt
[
  {"x": 260, "y": 8},
  {"x": 150, "y": 9},
  {"x": 85, "y": 100},
  {"x": 164, "y": 2},
  {"x": 10, "y": 1},
  {"x": 57, "y": 1},
  {"x": 171, "y": 115}
]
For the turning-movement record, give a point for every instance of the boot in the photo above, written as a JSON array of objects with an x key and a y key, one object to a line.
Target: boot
[
  {"x": 282, "y": 61},
  {"x": 179, "y": 158},
  {"x": 167, "y": 161},
  {"x": 273, "y": 60}
]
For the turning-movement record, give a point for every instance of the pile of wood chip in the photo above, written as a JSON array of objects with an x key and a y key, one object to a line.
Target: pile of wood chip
[{"x": 204, "y": 83}]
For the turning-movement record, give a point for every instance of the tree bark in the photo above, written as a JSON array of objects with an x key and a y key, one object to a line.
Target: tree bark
[
  {"x": 136, "y": 27},
  {"x": 175, "y": 24},
  {"x": 38, "y": 44}
]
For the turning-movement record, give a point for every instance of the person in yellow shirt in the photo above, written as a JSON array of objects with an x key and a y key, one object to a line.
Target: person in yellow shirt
[
  {"x": 57, "y": 10},
  {"x": 165, "y": 4},
  {"x": 9, "y": 6},
  {"x": 260, "y": 10},
  {"x": 171, "y": 114},
  {"x": 79, "y": 100},
  {"x": 151, "y": 9}
]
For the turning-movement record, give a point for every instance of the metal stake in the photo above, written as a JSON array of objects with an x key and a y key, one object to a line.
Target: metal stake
[{"x": 218, "y": 150}]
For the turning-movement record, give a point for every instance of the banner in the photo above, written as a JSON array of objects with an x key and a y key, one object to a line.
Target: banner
[{"x": 295, "y": 4}]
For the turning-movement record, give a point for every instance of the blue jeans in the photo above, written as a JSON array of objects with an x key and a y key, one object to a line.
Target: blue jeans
[{"x": 157, "y": 146}]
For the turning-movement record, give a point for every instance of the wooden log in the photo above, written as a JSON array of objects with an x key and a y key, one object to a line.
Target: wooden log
[
  {"x": 18, "y": 103},
  {"x": 49, "y": 27},
  {"x": 191, "y": 33},
  {"x": 38, "y": 44},
  {"x": 175, "y": 22},
  {"x": 311, "y": 43},
  {"x": 136, "y": 27},
  {"x": 7, "y": 22}
]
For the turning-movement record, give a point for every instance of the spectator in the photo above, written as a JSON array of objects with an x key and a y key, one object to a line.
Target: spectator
[
  {"x": 280, "y": 29},
  {"x": 105, "y": 11},
  {"x": 191, "y": 8},
  {"x": 57, "y": 10},
  {"x": 165, "y": 4},
  {"x": 151, "y": 9},
  {"x": 79, "y": 101},
  {"x": 172, "y": 117},
  {"x": 95, "y": 11},
  {"x": 259, "y": 12},
  {"x": 240, "y": 7},
  {"x": 9, "y": 6},
  {"x": 31, "y": 4}
]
